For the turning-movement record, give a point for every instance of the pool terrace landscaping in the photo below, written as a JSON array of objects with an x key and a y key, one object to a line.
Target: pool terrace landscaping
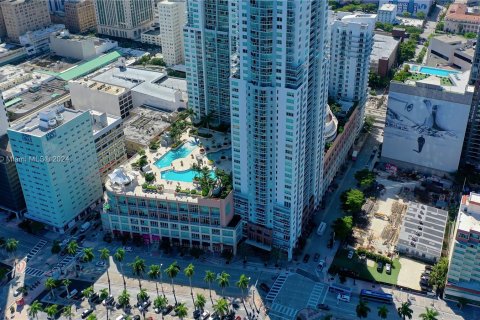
[
  {"x": 412, "y": 72},
  {"x": 195, "y": 165}
]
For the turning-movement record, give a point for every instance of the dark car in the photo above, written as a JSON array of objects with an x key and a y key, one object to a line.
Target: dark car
[
  {"x": 306, "y": 258},
  {"x": 118, "y": 305},
  {"x": 264, "y": 287},
  {"x": 73, "y": 231},
  {"x": 136, "y": 317},
  {"x": 197, "y": 313},
  {"x": 167, "y": 309},
  {"x": 323, "y": 306},
  {"x": 86, "y": 313},
  {"x": 94, "y": 298},
  {"x": 81, "y": 238}
]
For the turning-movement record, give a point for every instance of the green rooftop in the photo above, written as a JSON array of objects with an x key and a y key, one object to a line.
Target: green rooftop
[
  {"x": 10, "y": 103},
  {"x": 89, "y": 66}
]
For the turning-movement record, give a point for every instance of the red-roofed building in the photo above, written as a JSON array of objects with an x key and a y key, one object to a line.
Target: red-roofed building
[{"x": 460, "y": 19}]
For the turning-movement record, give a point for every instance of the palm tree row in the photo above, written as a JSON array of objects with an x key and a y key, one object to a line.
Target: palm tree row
[{"x": 404, "y": 311}]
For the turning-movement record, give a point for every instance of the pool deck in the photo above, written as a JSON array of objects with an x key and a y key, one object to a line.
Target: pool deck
[{"x": 219, "y": 141}]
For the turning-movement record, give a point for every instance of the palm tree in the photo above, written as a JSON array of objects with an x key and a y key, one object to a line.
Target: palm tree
[
  {"x": 50, "y": 284},
  {"x": 221, "y": 307},
  {"x": 160, "y": 303},
  {"x": 172, "y": 271},
  {"x": 189, "y": 271},
  {"x": 105, "y": 256},
  {"x": 223, "y": 280},
  {"x": 66, "y": 283},
  {"x": 72, "y": 248},
  {"x": 138, "y": 269},
  {"x": 429, "y": 314},
  {"x": 34, "y": 309},
  {"x": 124, "y": 298},
  {"x": 383, "y": 312},
  {"x": 154, "y": 273},
  {"x": 104, "y": 294},
  {"x": 209, "y": 278},
  {"x": 181, "y": 310},
  {"x": 142, "y": 295},
  {"x": 242, "y": 284},
  {"x": 200, "y": 301},
  {"x": 67, "y": 312},
  {"x": 11, "y": 247},
  {"x": 87, "y": 292},
  {"x": 51, "y": 310},
  {"x": 92, "y": 317},
  {"x": 362, "y": 309},
  {"x": 404, "y": 311},
  {"x": 118, "y": 256},
  {"x": 87, "y": 255}
]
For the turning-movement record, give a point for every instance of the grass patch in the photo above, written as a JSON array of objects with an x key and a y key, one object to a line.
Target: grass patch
[{"x": 365, "y": 272}]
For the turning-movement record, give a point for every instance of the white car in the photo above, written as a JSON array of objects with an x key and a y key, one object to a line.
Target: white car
[
  {"x": 321, "y": 265},
  {"x": 343, "y": 297},
  {"x": 17, "y": 292},
  {"x": 388, "y": 268},
  {"x": 204, "y": 315},
  {"x": 128, "y": 249},
  {"x": 350, "y": 254}
]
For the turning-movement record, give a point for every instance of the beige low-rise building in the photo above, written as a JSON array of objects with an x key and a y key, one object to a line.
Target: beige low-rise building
[
  {"x": 461, "y": 19},
  {"x": 80, "y": 16},
  {"x": 21, "y": 16}
]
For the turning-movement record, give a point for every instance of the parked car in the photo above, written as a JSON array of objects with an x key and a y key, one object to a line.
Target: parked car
[
  {"x": 321, "y": 265},
  {"x": 388, "y": 268},
  {"x": 86, "y": 313},
  {"x": 108, "y": 301},
  {"x": 18, "y": 292},
  {"x": 380, "y": 266},
  {"x": 323, "y": 306},
  {"x": 428, "y": 268},
  {"x": 100, "y": 264},
  {"x": 94, "y": 298},
  {"x": 205, "y": 314},
  {"x": 264, "y": 287},
  {"x": 167, "y": 309},
  {"x": 306, "y": 258},
  {"x": 350, "y": 254},
  {"x": 196, "y": 313},
  {"x": 343, "y": 297},
  {"x": 316, "y": 257},
  {"x": 136, "y": 317},
  {"x": 128, "y": 249}
]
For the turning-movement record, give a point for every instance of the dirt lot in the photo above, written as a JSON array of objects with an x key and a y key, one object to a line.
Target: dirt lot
[{"x": 410, "y": 273}]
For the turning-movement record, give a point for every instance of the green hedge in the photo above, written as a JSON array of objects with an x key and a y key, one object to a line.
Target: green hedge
[{"x": 373, "y": 256}]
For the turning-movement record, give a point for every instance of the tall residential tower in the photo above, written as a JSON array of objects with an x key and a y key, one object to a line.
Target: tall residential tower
[
  {"x": 208, "y": 55},
  {"x": 57, "y": 165},
  {"x": 279, "y": 88}
]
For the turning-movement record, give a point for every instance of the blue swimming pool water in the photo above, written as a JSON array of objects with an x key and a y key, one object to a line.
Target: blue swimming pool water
[
  {"x": 436, "y": 72},
  {"x": 217, "y": 155},
  {"x": 182, "y": 176},
  {"x": 181, "y": 152}
]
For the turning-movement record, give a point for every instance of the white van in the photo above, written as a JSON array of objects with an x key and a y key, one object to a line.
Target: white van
[
  {"x": 72, "y": 294},
  {"x": 321, "y": 228}
]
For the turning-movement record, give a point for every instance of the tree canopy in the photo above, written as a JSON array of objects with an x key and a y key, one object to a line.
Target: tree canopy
[{"x": 352, "y": 200}]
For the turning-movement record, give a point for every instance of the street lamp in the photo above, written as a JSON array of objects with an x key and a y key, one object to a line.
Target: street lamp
[{"x": 161, "y": 280}]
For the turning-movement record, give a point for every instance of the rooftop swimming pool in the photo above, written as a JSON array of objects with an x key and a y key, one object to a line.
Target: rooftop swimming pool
[
  {"x": 433, "y": 71},
  {"x": 181, "y": 152},
  {"x": 182, "y": 176}
]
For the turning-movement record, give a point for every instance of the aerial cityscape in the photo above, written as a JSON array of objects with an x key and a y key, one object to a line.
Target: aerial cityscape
[{"x": 239, "y": 159}]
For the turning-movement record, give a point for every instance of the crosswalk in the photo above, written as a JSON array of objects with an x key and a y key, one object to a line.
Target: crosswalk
[
  {"x": 317, "y": 293},
  {"x": 281, "y": 312},
  {"x": 276, "y": 287},
  {"x": 35, "y": 250},
  {"x": 34, "y": 272},
  {"x": 68, "y": 259}
]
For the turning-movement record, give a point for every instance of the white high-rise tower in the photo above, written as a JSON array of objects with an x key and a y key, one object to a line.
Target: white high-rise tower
[{"x": 279, "y": 89}]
